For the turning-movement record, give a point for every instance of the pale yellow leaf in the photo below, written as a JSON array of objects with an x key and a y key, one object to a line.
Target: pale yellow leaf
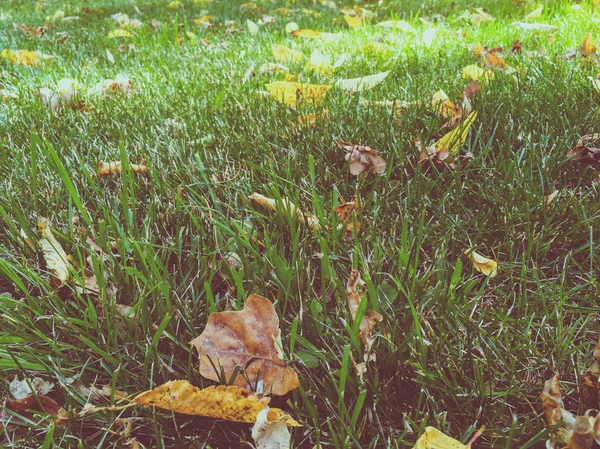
[
  {"x": 484, "y": 265},
  {"x": 252, "y": 27},
  {"x": 282, "y": 53},
  {"x": 290, "y": 93},
  {"x": 398, "y": 25},
  {"x": 434, "y": 439},
  {"x": 118, "y": 33},
  {"x": 286, "y": 207},
  {"x": 363, "y": 83},
  {"x": 55, "y": 256},
  {"x": 270, "y": 434},
  {"x": 353, "y": 22}
]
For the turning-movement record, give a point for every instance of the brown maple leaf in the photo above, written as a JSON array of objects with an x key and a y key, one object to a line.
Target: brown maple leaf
[
  {"x": 584, "y": 152},
  {"x": 250, "y": 339}
]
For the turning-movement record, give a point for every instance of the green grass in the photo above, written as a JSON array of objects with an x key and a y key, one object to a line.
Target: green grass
[{"x": 455, "y": 350}]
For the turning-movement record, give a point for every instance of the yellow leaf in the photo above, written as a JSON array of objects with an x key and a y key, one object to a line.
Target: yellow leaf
[
  {"x": 174, "y": 5},
  {"x": 452, "y": 141},
  {"x": 307, "y": 34},
  {"x": 353, "y": 22},
  {"x": 115, "y": 168},
  {"x": 54, "y": 254},
  {"x": 252, "y": 27},
  {"x": 474, "y": 72},
  {"x": 287, "y": 206},
  {"x": 223, "y": 402},
  {"x": 282, "y": 53},
  {"x": 434, "y": 439},
  {"x": 290, "y": 93},
  {"x": 9, "y": 55},
  {"x": 320, "y": 64},
  {"x": 363, "y": 83},
  {"x": 118, "y": 33},
  {"x": 202, "y": 20},
  {"x": 443, "y": 106},
  {"x": 484, "y": 265}
]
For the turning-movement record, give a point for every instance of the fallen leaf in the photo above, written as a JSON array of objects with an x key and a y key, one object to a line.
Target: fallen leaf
[
  {"x": 320, "y": 64},
  {"x": 287, "y": 207},
  {"x": 32, "y": 31},
  {"x": 484, "y": 265},
  {"x": 481, "y": 15},
  {"x": 346, "y": 213},
  {"x": 22, "y": 388},
  {"x": 282, "y": 53},
  {"x": 253, "y": 28},
  {"x": 271, "y": 67},
  {"x": 432, "y": 438},
  {"x": 250, "y": 339},
  {"x": 55, "y": 256},
  {"x": 587, "y": 49},
  {"x": 174, "y": 5},
  {"x": 30, "y": 405},
  {"x": 118, "y": 33},
  {"x": 291, "y": 28},
  {"x": 120, "y": 84},
  {"x": 290, "y": 93},
  {"x": 474, "y": 72},
  {"x": 64, "y": 94},
  {"x": 271, "y": 434},
  {"x": 25, "y": 57},
  {"x": 451, "y": 142},
  {"x": 370, "y": 318},
  {"x": 540, "y": 27},
  {"x": 362, "y": 158},
  {"x": 353, "y": 22},
  {"x": 589, "y": 382},
  {"x": 307, "y": 34},
  {"x": 362, "y": 83},
  {"x": 584, "y": 152},
  {"x": 116, "y": 168},
  {"x": 535, "y": 13}
]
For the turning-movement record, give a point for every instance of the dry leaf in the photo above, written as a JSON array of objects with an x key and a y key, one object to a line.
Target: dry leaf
[
  {"x": 118, "y": 33},
  {"x": 584, "y": 152},
  {"x": 250, "y": 339},
  {"x": 454, "y": 140},
  {"x": 24, "y": 57},
  {"x": 359, "y": 84},
  {"x": 484, "y": 265},
  {"x": 116, "y": 168},
  {"x": 271, "y": 434},
  {"x": 586, "y": 49},
  {"x": 120, "y": 84},
  {"x": 353, "y": 22},
  {"x": 370, "y": 318},
  {"x": 589, "y": 383},
  {"x": 22, "y": 388},
  {"x": 32, "y": 31},
  {"x": 434, "y": 439},
  {"x": 291, "y": 93},
  {"x": 287, "y": 207},
  {"x": 474, "y": 72},
  {"x": 307, "y": 34},
  {"x": 346, "y": 212},
  {"x": 362, "y": 158},
  {"x": 552, "y": 401},
  {"x": 55, "y": 256},
  {"x": 30, "y": 405},
  {"x": 282, "y": 53},
  {"x": 320, "y": 64}
]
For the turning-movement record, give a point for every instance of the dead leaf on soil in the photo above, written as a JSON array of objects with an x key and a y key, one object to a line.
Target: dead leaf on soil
[
  {"x": 269, "y": 434},
  {"x": 484, "y": 265},
  {"x": 585, "y": 151},
  {"x": 292, "y": 93},
  {"x": 230, "y": 403},
  {"x": 250, "y": 339},
  {"x": 57, "y": 261}
]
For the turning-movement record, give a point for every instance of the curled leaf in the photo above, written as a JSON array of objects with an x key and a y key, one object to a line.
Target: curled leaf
[
  {"x": 363, "y": 83},
  {"x": 370, "y": 318},
  {"x": 432, "y": 438},
  {"x": 269, "y": 434},
  {"x": 250, "y": 339},
  {"x": 484, "y": 265},
  {"x": 362, "y": 158},
  {"x": 287, "y": 207}
]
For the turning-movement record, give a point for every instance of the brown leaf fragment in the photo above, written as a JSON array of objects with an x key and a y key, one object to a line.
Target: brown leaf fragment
[
  {"x": 370, "y": 318},
  {"x": 589, "y": 382},
  {"x": 250, "y": 339},
  {"x": 584, "y": 152},
  {"x": 346, "y": 213},
  {"x": 552, "y": 401},
  {"x": 230, "y": 403},
  {"x": 287, "y": 206},
  {"x": 115, "y": 168},
  {"x": 362, "y": 158},
  {"x": 32, "y": 404},
  {"x": 517, "y": 47},
  {"x": 32, "y": 31}
]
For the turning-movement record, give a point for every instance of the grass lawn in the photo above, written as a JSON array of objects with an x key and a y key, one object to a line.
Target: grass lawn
[{"x": 456, "y": 349}]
